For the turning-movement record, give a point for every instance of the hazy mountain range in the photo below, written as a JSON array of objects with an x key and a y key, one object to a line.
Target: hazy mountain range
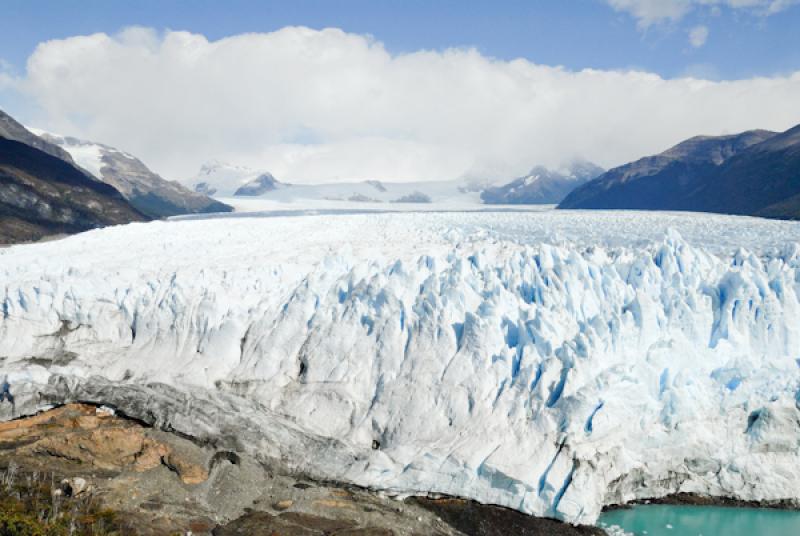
[{"x": 542, "y": 185}]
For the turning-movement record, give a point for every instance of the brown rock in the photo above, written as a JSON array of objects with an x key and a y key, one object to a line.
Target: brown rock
[
  {"x": 283, "y": 505},
  {"x": 322, "y": 524},
  {"x": 80, "y": 434},
  {"x": 334, "y": 503}
]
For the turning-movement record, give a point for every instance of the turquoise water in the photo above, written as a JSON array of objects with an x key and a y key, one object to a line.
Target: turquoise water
[{"x": 667, "y": 520}]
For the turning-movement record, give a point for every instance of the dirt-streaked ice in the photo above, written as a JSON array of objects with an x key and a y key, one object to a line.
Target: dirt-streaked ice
[{"x": 552, "y": 362}]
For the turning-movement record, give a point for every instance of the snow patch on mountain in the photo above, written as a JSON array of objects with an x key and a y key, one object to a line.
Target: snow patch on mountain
[
  {"x": 145, "y": 190},
  {"x": 222, "y": 179},
  {"x": 551, "y": 362},
  {"x": 542, "y": 185}
]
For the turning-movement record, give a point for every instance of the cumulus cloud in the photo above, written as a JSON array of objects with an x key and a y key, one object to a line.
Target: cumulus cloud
[
  {"x": 648, "y": 12},
  {"x": 328, "y": 105},
  {"x": 698, "y": 36}
]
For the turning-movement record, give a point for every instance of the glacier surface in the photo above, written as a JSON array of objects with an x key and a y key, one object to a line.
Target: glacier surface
[{"x": 551, "y": 361}]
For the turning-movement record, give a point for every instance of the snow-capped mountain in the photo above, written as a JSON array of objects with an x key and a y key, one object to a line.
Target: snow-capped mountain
[
  {"x": 552, "y": 362},
  {"x": 542, "y": 185},
  {"x": 259, "y": 186},
  {"x": 43, "y": 192},
  {"x": 221, "y": 179},
  {"x": 237, "y": 185},
  {"x": 144, "y": 189}
]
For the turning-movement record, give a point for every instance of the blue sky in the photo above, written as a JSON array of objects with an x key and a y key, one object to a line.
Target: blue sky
[
  {"x": 325, "y": 91},
  {"x": 574, "y": 33}
]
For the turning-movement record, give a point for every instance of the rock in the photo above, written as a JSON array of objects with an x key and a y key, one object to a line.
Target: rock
[
  {"x": 283, "y": 505},
  {"x": 413, "y": 197},
  {"x": 82, "y": 435},
  {"x": 75, "y": 487},
  {"x": 476, "y": 519}
]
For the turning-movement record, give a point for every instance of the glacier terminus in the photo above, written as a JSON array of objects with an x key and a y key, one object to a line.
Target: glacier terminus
[{"x": 553, "y": 362}]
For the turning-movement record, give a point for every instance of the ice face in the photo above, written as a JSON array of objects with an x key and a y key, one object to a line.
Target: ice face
[{"x": 552, "y": 362}]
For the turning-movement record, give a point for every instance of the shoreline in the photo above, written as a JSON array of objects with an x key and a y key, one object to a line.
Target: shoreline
[{"x": 694, "y": 499}]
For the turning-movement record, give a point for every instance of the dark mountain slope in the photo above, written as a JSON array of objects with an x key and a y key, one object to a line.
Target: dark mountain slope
[
  {"x": 11, "y": 129},
  {"x": 667, "y": 181},
  {"x": 147, "y": 191},
  {"x": 763, "y": 181},
  {"x": 41, "y": 195}
]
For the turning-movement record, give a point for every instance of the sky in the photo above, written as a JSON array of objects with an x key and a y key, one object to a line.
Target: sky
[{"x": 323, "y": 91}]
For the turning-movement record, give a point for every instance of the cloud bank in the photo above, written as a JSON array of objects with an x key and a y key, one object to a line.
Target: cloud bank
[{"x": 328, "y": 105}]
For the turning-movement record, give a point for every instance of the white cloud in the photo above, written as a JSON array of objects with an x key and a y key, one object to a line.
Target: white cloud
[
  {"x": 698, "y": 36},
  {"x": 328, "y": 105},
  {"x": 6, "y": 78},
  {"x": 648, "y": 12}
]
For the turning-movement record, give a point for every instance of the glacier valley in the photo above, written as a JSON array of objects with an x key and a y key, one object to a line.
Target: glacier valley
[{"x": 550, "y": 361}]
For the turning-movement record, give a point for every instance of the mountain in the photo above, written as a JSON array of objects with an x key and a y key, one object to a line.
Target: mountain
[
  {"x": 763, "y": 181},
  {"x": 144, "y": 189},
  {"x": 755, "y": 173},
  {"x": 259, "y": 186},
  {"x": 221, "y": 179},
  {"x": 542, "y": 185},
  {"x": 225, "y": 180},
  {"x": 11, "y": 129},
  {"x": 41, "y": 195}
]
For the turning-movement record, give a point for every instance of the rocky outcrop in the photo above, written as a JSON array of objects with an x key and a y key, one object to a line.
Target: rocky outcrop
[{"x": 94, "y": 437}]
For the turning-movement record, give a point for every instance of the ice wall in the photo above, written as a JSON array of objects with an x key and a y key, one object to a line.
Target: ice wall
[{"x": 550, "y": 379}]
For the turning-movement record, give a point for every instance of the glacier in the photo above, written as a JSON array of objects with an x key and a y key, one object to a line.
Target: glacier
[{"x": 552, "y": 361}]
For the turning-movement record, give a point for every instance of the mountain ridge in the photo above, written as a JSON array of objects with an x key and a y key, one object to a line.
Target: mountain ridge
[
  {"x": 542, "y": 185},
  {"x": 42, "y": 195},
  {"x": 756, "y": 172},
  {"x": 143, "y": 188}
]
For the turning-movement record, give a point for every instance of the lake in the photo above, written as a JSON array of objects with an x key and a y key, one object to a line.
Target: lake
[{"x": 671, "y": 520}]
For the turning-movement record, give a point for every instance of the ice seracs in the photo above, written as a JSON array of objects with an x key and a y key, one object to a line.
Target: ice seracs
[{"x": 551, "y": 362}]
